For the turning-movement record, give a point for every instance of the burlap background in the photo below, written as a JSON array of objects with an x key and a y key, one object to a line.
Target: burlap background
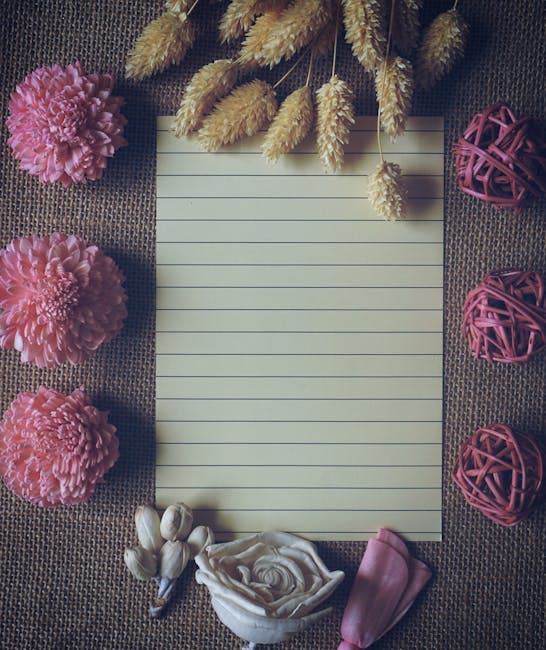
[{"x": 62, "y": 580}]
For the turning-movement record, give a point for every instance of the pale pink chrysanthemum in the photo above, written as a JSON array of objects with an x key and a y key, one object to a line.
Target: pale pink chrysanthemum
[
  {"x": 55, "y": 448},
  {"x": 60, "y": 299},
  {"x": 64, "y": 124}
]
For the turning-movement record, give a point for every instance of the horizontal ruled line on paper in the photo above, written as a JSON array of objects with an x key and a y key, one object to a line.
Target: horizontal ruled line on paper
[
  {"x": 241, "y": 175},
  {"x": 298, "y": 421},
  {"x": 295, "y": 487},
  {"x": 299, "y": 243},
  {"x": 315, "y": 510},
  {"x": 293, "y": 153},
  {"x": 301, "y": 376},
  {"x": 303, "y": 443},
  {"x": 300, "y": 354}
]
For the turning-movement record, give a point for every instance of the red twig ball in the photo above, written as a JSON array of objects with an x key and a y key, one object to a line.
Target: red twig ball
[
  {"x": 505, "y": 317},
  {"x": 500, "y": 159},
  {"x": 500, "y": 473}
]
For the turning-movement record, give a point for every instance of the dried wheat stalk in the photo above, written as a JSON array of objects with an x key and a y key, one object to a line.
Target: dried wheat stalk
[
  {"x": 365, "y": 31},
  {"x": 242, "y": 113},
  {"x": 164, "y": 42},
  {"x": 386, "y": 191},
  {"x": 335, "y": 114},
  {"x": 279, "y": 35},
  {"x": 443, "y": 44},
  {"x": 291, "y": 124},
  {"x": 207, "y": 85},
  {"x": 240, "y": 15},
  {"x": 394, "y": 89},
  {"x": 406, "y": 26}
]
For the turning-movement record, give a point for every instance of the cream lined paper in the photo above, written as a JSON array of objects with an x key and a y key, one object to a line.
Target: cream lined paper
[{"x": 299, "y": 339}]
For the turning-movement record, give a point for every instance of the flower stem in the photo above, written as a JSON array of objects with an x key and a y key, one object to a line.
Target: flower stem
[
  {"x": 192, "y": 8},
  {"x": 164, "y": 594},
  {"x": 455, "y": 5},
  {"x": 335, "y": 42},
  {"x": 291, "y": 70},
  {"x": 384, "y": 75},
  {"x": 309, "y": 69}
]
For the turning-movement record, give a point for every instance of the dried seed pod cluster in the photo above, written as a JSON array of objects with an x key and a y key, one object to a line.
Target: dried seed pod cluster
[
  {"x": 165, "y": 547},
  {"x": 381, "y": 33}
]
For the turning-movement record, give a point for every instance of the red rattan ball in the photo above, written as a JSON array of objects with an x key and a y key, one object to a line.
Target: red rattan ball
[
  {"x": 505, "y": 317},
  {"x": 500, "y": 473},
  {"x": 501, "y": 159}
]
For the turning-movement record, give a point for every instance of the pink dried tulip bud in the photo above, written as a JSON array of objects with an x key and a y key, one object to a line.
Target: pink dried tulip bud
[
  {"x": 141, "y": 563},
  {"x": 173, "y": 559},
  {"x": 147, "y": 527},
  {"x": 176, "y": 522}
]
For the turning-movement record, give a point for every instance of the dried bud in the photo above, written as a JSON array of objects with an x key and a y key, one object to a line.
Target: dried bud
[
  {"x": 141, "y": 563},
  {"x": 176, "y": 522},
  {"x": 173, "y": 559},
  {"x": 199, "y": 539},
  {"x": 147, "y": 527}
]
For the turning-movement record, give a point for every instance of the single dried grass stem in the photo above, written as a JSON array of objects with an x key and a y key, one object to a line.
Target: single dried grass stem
[
  {"x": 386, "y": 191},
  {"x": 394, "y": 89},
  {"x": 206, "y": 86},
  {"x": 291, "y": 124},
  {"x": 365, "y": 31},
  {"x": 335, "y": 114},
  {"x": 164, "y": 42},
  {"x": 240, "y": 15},
  {"x": 242, "y": 113},
  {"x": 406, "y": 26},
  {"x": 442, "y": 46},
  {"x": 279, "y": 35}
]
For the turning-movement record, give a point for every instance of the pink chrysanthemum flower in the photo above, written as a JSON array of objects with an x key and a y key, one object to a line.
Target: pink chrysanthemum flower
[
  {"x": 61, "y": 298},
  {"x": 64, "y": 124},
  {"x": 55, "y": 448}
]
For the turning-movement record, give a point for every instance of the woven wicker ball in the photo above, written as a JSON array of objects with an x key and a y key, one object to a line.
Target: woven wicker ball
[
  {"x": 500, "y": 159},
  {"x": 500, "y": 473},
  {"x": 504, "y": 317}
]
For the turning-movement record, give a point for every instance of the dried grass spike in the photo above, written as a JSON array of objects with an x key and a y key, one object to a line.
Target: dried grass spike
[
  {"x": 443, "y": 44},
  {"x": 394, "y": 89},
  {"x": 164, "y": 42},
  {"x": 206, "y": 86},
  {"x": 386, "y": 191},
  {"x": 276, "y": 36},
  {"x": 178, "y": 6},
  {"x": 365, "y": 31},
  {"x": 335, "y": 114},
  {"x": 405, "y": 25},
  {"x": 291, "y": 124},
  {"x": 240, "y": 15},
  {"x": 243, "y": 112}
]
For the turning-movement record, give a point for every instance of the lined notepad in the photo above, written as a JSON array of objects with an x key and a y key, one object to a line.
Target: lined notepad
[{"x": 299, "y": 339}]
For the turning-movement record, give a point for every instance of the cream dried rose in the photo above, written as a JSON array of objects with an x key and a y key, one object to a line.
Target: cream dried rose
[{"x": 264, "y": 587}]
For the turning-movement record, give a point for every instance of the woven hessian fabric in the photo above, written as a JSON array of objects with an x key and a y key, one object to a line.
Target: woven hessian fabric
[{"x": 63, "y": 584}]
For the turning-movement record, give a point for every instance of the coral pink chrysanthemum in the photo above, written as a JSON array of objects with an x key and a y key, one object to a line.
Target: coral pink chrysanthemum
[
  {"x": 60, "y": 299},
  {"x": 64, "y": 124},
  {"x": 55, "y": 448}
]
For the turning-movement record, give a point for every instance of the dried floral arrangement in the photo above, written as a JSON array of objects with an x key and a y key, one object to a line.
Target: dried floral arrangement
[{"x": 383, "y": 34}]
